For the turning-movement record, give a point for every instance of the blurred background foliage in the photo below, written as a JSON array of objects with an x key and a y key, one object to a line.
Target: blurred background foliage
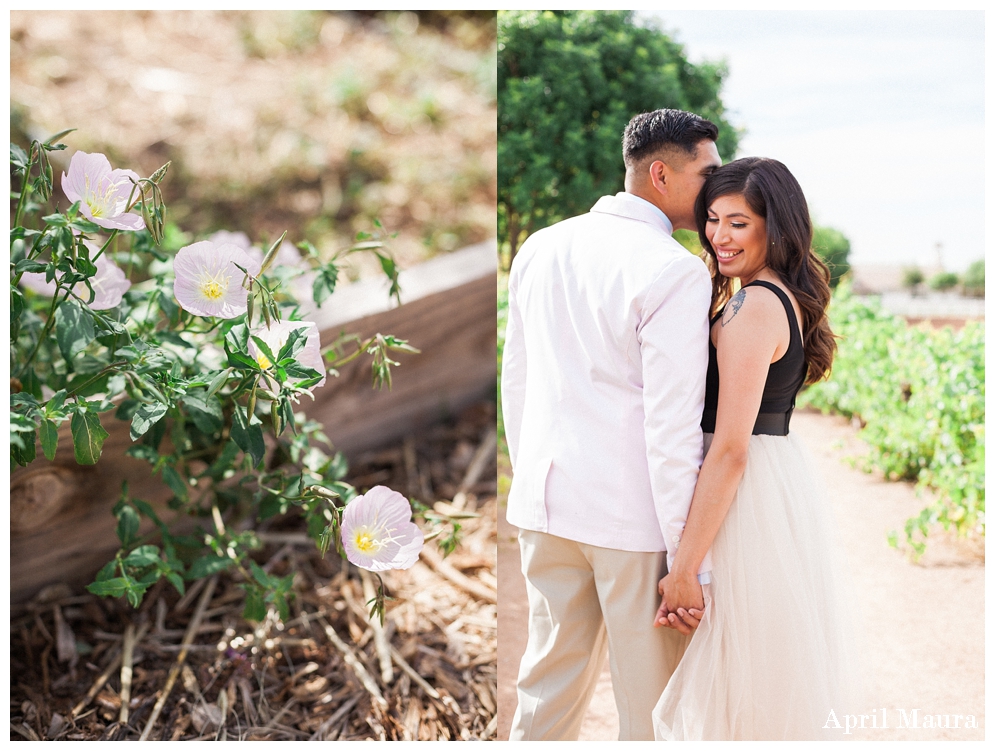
[
  {"x": 919, "y": 394},
  {"x": 312, "y": 121},
  {"x": 568, "y": 82}
]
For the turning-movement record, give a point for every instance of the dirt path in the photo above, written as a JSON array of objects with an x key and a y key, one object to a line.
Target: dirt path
[{"x": 917, "y": 661}]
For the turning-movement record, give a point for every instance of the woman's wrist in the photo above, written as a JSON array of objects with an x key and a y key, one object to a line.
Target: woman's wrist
[{"x": 683, "y": 570}]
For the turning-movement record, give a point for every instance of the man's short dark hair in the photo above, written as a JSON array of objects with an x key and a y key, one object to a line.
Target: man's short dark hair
[{"x": 661, "y": 131}]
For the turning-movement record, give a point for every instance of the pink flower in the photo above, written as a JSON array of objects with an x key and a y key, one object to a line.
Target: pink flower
[
  {"x": 238, "y": 239},
  {"x": 208, "y": 283},
  {"x": 102, "y": 192},
  {"x": 109, "y": 284},
  {"x": 377, "y": 531},
  {"x": 276, "y": 336}
]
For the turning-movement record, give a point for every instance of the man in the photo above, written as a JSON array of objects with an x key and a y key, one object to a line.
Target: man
[{"x": 603, "y": 386}]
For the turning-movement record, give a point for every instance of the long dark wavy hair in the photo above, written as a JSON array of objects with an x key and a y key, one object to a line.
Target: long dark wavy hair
[{"x": 772, "y": 192}]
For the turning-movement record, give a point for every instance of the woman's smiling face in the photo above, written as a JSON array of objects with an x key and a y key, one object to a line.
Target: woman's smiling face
[{"x": 738, "y": 236}]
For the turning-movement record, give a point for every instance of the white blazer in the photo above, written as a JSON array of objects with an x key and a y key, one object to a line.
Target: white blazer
[{"x": 603, "y": 379}]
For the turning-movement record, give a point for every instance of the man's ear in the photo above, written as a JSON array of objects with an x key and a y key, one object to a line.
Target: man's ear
[{"x": 659, "y": 174}]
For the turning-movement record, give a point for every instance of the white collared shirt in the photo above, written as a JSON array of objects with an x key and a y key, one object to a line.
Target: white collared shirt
[{"x": 603, "y": 379}]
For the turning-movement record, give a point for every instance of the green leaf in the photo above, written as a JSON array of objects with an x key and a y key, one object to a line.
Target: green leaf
[
  {"x": 128, "y": 523},
  {"x": 146, "y": 555},
  {"x": 18, "y": 157},
  {"x": 338, "y": 467},
  {"x": 205, "y": 411},
  {"x": 146, "y": 416},
  {"x": 294, "y": 344},
  {"x": 136, "y": 590},
  {"x": 88, "y": 437},
  {"x": 264, "y": 348},
  {"x": 107, "y": 571},
  {"x": 175, "y": 482},
  {"x": 237, "y": 338},
  {"x": 296, "y": 370},
  {"x": 141, "y": 451},
  {"x": 73, "y": 328},
  {"x": 255, "y": 606},
  {"x": 242, "y": 362},
  {"x": 207, "y": 566},
  {"x": 262, "y": 577},
  {"x": 248, "y": 435},
  {"x": 324, "y": 283},
  {"x": 177, "y": 581},
  {"x": 144, "y": 508},
  {"x": 16, "y": 306},
  {"x": 30, "y": 265},
  {"x": 51, "y": 142},
  {"x": 49, "y": 435},
  {"x": 54, "y": 405},
  {"x": 217, "y": 382},
  {"x": 109, "y": 325},
  {"x": 272, "y": 505},
  {"x": 280, "y": 600},
  {"x": 56, "y": 220},
  {"x": 109, "y": 587},
  {"x": 22, "y": 447}
]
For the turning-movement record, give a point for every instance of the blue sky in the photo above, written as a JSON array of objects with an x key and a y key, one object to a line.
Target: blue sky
[{"x": 879, "y": 114}]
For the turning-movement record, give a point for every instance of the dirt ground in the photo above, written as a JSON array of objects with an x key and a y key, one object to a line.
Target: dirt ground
[
  {"x": 309, "y": 121},
  {"x": 328, "y": 672},
  {"x": 916, "y": 660}
]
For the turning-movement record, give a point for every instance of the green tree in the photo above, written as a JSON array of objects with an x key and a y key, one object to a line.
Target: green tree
[
  {"x": 974, "y": 279},
  {"x": 834, "y": 248},
  {"x": 944, "y": 280},
  {"x": 912, "y": 277},
  {"x": 568, "y": 82}
]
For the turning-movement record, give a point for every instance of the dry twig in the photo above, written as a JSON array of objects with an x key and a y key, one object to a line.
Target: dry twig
[
  {"x": 380, "y": 641},
  {"x": 353, "y": 662},
  {"x": 103, "y": 678},
  {"x": 447, "y": 571},
  {"x": 127, "y": 663},
  {"x": 175, "y": 670}
]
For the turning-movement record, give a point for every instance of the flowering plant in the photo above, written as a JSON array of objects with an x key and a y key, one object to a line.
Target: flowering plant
[{"x": 204, "y": 350}]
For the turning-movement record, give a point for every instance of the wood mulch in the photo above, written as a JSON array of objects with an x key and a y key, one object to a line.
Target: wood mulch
[{"x": 328, "y": 673}]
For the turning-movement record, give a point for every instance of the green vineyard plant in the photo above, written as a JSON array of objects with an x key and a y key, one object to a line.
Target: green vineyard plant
[{"x": 920, "y": 394}]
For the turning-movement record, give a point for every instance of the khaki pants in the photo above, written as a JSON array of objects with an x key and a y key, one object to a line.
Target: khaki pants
[{"x": 584, "y": 600}]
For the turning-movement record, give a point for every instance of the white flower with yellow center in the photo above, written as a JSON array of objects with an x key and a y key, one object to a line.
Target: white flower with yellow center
[
  {"x": 102, "y": 192},
  {"x": 109, "y": 284},
  {"x": 377, "y": 531},
  {"x": 277, "y": 334},
  {"x": 208, "y": 282}
]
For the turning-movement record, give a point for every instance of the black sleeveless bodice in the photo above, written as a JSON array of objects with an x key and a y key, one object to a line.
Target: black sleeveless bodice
[{"x": 784, "y": 378}]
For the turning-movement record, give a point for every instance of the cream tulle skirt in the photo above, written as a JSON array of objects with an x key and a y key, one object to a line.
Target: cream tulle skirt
[{"x": 775, "y": 651}]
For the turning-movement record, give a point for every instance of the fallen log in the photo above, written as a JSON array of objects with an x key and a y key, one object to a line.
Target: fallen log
[{"x": 61, "y": 525}]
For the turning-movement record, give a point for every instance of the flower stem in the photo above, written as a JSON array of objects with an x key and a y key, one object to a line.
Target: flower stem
[
  {"x": 359, "y": 350},
  {"x": 48, "y": 327},
  {"x": 104, "y": 246},
  {"x": 97, "y": 377},
  {"x": 25, "y": 188}
]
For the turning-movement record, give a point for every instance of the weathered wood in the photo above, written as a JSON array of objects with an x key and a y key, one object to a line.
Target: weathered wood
[{"x": 61, "y": 525}]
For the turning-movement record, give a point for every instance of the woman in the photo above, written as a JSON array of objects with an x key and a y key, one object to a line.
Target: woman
[{"x": 773, "y": 655}]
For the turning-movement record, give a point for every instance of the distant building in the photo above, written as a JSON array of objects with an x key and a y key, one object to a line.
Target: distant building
[
  {"x": 939, "y": 308},
  {"x": 876, "y": 279}
]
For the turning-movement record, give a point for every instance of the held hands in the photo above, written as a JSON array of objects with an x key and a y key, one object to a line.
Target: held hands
[{"x": 683, "y": 603}]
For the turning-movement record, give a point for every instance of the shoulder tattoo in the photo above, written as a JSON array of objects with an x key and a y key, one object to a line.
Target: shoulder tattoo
[{"x": 732, "y": 308}]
